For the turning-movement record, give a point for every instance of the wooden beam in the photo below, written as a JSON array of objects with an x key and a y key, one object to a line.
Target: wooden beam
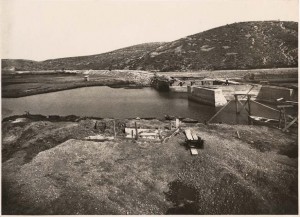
[
  {"x": 266, "y": 106},
  {"x": 218, "y": 112},
  {"x": 188, "y": 134},
  {"x": 136, "y": 131},
  {"x": 244, "y": 107},
  {"x": 195, "y": 137},
  {"x": 292, "y": 102},
  {"x": 244, "y": 94},
  {"x": 236, "y": 103},
  {"x": 285, "y": 106},
  {"x": 249, "y": 107},
  {"x": 194, "y": 151},
  {"x": 280, "y": 118},
  {"x": 284, "y": 118},
  {"x": 290, "y": 124},
  {"x": 114, "y": 128}
]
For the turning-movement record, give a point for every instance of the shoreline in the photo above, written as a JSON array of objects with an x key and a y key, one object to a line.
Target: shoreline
[
  {"x": 20, "y": 85},
  {"x": 6, "y": 96}
]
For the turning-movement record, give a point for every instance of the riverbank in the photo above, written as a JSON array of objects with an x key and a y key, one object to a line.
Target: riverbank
[
  {"x": 32, "y": 83},
  {"x": 19, "y": 84},
  {"x": 49, "y": 167}
]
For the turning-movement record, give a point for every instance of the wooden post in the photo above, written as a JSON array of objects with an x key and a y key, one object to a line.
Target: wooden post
[
  {"x": 282, "y": 114},
  {"x": 177, "y": 123},
  {"x": 279, "y": 119},
  {"x": 136, "y": 131},
  {"x": 236, "y": 104},
  {"x": 290, "y": 124},
  {"x": 284, "y": 117},
  {"x": 115, "y": 129},
  {"x": 249, "y": 107}
]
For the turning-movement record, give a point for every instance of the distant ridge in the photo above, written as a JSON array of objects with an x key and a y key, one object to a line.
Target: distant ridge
[{"x": 245, "y": 45}]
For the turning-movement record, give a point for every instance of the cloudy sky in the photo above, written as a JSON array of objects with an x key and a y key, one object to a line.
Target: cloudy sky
[{"x": 43, "y": 29}]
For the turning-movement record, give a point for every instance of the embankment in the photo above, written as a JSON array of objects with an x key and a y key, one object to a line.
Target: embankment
[
  {"x": 48, "y": 167},
  {"x": 31, "y": 83}
]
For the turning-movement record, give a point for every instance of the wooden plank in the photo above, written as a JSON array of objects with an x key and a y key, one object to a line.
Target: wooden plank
[
  {"x": 136, "y": 131},
  {"x": 148, "y": 134},
  {"x": 115, "y": 128},
  {"x": 292, "y": 102},
  {"x": 218, "y": 112},
  {"x": 244, "y": 94},
  {"x": 264, "y": 105},
  {"x": 194, "y": 151},
  {"x": 285, "y": 106},
  {"x": 195, "y": 137},
  {"x": 244, "y": 107},
  {"x": 177, "y": 123},
  {"x": 188, "y": 134}
]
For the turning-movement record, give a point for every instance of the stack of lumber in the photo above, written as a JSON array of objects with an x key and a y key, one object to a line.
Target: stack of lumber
[{"x": 191, "y": 136}]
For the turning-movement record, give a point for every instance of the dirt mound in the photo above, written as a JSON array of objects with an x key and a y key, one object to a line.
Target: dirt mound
[{"x": 74, "y": 176}]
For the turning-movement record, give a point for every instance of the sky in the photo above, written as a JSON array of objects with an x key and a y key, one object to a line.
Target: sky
[{"x": 46, "y": 29}]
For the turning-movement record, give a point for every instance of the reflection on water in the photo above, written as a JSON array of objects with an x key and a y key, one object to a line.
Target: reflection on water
[{"x": 124, "y": 103}]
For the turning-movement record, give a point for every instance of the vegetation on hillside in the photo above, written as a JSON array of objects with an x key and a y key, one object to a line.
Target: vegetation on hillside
[{"x": 245, "y": 45}]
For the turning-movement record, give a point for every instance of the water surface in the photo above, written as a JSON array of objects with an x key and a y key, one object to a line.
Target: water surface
[{"x": 123, "y": 103}]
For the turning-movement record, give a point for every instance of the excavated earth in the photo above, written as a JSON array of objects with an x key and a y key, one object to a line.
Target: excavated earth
[{"x": 48, "y": 167}]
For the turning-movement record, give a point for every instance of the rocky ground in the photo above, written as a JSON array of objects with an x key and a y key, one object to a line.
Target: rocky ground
[{"x": 48, "y": 167}]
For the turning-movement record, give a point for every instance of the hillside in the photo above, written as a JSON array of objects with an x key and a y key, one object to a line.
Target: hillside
[
  {"x": 117, "y": 59},
  {"x": 244, "y": 45},
  {"x": 236, "y": 46}
]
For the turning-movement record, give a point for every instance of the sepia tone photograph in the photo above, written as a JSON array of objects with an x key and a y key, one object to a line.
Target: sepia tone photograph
[{"x": 149, "y": 107}]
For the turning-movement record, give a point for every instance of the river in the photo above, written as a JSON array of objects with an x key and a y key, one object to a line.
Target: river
[{"x": 123, "y": 103}]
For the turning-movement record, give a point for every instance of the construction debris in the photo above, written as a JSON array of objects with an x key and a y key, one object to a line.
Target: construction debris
[
  {"x": 141, "y": 133},
  {"x": 194, "y": 151},
  {"x": 193, "y": 141},
  {"x": 173, "y": 134},
  {"x": 99, "y": 137}
]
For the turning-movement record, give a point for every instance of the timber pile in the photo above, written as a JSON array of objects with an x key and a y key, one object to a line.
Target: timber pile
[{"x": 193, "y": 141}]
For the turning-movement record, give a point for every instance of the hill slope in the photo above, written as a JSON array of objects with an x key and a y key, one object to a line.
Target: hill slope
[
  {"x": 117, "y": 59},
  {"x": 236, "y": 46},
  {"x": 242, "y": 45}
]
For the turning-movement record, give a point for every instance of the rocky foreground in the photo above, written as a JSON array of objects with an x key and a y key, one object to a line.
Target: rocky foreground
[{"x": 49, "y": 167}]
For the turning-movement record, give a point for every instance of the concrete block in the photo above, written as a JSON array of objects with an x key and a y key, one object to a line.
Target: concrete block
[
  {"x": 207, "y": 95},
  {"x": 178, "y": 89},
  {"x": 272, "y": 93}
]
